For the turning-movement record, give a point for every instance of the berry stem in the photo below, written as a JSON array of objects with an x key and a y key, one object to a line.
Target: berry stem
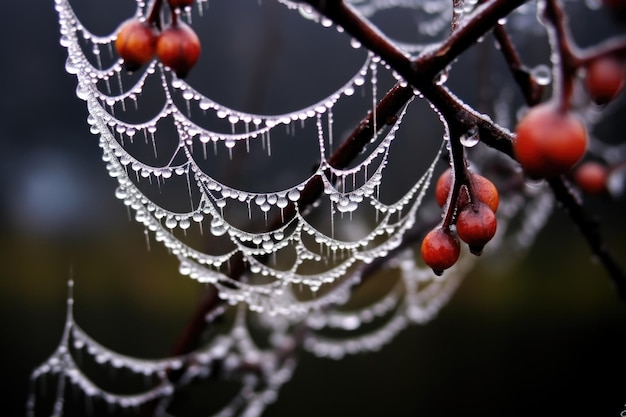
[
  {"x": 459, "y": 170},
  {"x": 589, "y": 228},
  {"x": 154, "y": 16},
  {"x": 565, "y": 59},
  {"x": 531, "y": 90},
  {"x": 615, "y": 47}
]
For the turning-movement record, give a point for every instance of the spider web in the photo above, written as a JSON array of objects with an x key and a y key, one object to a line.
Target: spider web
[
  {"x": 286, "y": 262},
  {"x": 174, "y": 145}
]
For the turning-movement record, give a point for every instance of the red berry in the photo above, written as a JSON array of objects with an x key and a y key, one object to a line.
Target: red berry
[
  {"x": 484, "y": 190},
  {"x": 591, "y": 177},
  {"x": 180, "y": 3},
  {"x": 178, "y": 47},
  {"x": 136, "y": 43},
  {"x": 442, "y": 188},
  {"x": 604, "y": 79},
  {"x": 476, "y": 225},
  {"x": 440, "y": 249},
  {"x": 549, "y": 142}
]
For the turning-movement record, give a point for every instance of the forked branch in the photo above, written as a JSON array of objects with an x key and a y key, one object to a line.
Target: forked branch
[{"x": 422, "y": 73}]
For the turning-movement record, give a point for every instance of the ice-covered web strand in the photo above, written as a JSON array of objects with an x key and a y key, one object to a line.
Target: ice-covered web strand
[
  {"x": 215, "y": 195},
  {"x": 416, "y": 298},
  {"x": 234, "y": 350}
]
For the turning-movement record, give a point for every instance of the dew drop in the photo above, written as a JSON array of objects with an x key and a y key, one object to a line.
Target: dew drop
[
  {"x": 542, "y": 74},
  {"x": 282, "y": 202},
  {"x": 218, "y": 228},
  {"x": 121, "y": 193},
  {"x": 470, "y": 138},
  {"x": 205, "y": 104},
  {"x": 170, "y": 222},
  {"x": 184, "y": 224},
  {"x": 293, "y": 195}
]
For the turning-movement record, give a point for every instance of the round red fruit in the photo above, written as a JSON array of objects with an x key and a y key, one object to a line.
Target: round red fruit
[
  {"x": 178, "y": 47},
  {"x": 476, "y": 225},
  {"x": 136, "y": 43},
  {"x": 484, "y": 190},
  {"x": 591, "y": 177},
  {"x": 549, "y": 142},
  {"x": 442, "y": 188},
  {"x": 604, "y": 79},
  {"x": 440, "y": 249}
]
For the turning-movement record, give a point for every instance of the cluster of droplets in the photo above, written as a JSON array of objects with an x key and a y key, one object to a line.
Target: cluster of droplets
[
  {"x": 112, "y": 99},
  {"x": 324, "y": 328},
  {"x": 262, "y": 370}
]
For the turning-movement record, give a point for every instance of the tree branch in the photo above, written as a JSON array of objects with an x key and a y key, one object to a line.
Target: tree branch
[{"x": 421, "y": 73}]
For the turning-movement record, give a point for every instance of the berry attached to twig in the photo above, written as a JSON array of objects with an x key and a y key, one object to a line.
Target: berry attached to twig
[
  {"x": 604, "y": 79},
  {"x": 476, "y": 225},
  {"x": 591, "y": 177},
  {"x": 136, "y": 43},
  {"x": 484, "y": 190},
  {"x": 440, "y": 249},
  {"x": 549, "y": 142},
  {"x": 178, "y": 47}
]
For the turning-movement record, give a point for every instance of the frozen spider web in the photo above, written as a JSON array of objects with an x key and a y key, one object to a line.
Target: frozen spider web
[
  {"x": 294, "y": 245},
  {"x": 260, "y": 246},
  {"x": 225, "y": 190}
]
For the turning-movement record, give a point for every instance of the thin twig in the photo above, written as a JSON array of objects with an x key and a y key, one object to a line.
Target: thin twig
[{"x": 531, "y": 90}]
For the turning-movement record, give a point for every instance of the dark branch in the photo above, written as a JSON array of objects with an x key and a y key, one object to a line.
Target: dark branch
[{"x": 421, "y": 73}]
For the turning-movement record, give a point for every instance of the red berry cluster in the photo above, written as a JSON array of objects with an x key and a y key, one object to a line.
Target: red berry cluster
[
  {"x": 177, "y": 46},
  {"x": 474, "y": 217}
]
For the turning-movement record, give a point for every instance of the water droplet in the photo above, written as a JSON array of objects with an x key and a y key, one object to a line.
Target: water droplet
[
  {"x": 542, "y": 74},
  {"x": 218, "y": 228},
  {"x": 282, "y": 202},
  {"x": 293, "y": 195},
  {"x": 121, "y": 193},
  {"x": 184, "y": 223},
  {"x": 205, "y": 104},
  {"x": 70, "y": 67},
  {"x": 470, "y": 138},
  {"x": 170, "y": 222},
  {"x": 82, "y": 92}
]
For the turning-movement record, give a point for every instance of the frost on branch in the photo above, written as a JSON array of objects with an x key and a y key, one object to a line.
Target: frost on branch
[{"x": 287, "y": 215}]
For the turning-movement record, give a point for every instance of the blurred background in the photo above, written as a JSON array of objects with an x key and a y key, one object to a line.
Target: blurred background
[{"x": 544, "y": 334}]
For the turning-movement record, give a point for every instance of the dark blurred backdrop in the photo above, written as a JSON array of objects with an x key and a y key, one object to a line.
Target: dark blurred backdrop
[{"x": 545, "y": 335}]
